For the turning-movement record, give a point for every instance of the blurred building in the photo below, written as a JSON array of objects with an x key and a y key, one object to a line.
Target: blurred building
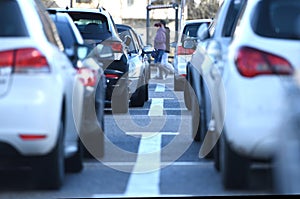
[
  {"x": 134, "y": 13},
  {"x": 121, "y": 9},
  {"x": 131, "y": 12}
]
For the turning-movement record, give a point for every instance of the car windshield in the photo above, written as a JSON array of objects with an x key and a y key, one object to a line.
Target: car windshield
[
  {"x": 190, "y": 31},
  {"x": 277, "y": 19},
  {"x": 12, "y": 25},
  {"x": 92, "y": 26}
]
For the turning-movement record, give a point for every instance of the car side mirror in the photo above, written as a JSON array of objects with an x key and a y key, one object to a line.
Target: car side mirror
[
  {"x": 189, "y": 43},
  {"x": 148, "y": 49},
  {"x": 76, "y": 53},
  {"x": 202, "y": 32},
  {"x": 81, "y": 51}
]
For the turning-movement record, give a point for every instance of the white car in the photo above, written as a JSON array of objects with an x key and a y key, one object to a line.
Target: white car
[
  {"x": 255, "y": 72},
  {"x": 40, "y": 95},
  {"x": 182, "y": 55}
]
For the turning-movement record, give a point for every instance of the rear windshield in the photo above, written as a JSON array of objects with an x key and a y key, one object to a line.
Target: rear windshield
[
  {"x": 91, "y": 25},
  {"x": 277, "y": 19},
  {"x": 11, "y": 20},
  {"x": 191, "y": 30}
]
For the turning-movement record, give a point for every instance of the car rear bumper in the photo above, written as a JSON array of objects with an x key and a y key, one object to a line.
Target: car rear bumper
[
  {"x": 255, "y": 116},
  {"x": 32, "y": 107}
]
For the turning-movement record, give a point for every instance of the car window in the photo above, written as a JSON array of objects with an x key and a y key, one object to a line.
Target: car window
[
  {"x": 11, "y": 25},
  {"x": 212, "y": 26},
  {"x": 277, "y": 19},
  {"x": 135, "y": 40},
  {"x": 234, "y": 10},
  {"x": 66, "y": 34},
  {"x": 190, "y": 31},
  {"x": 91, "y": 25},
  {"x": 123, "y": 33}
]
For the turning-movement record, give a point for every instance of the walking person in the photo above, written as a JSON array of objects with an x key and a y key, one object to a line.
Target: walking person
[
  {"x": 165, "y": 58},
  {"x": 160, "y": 46}
]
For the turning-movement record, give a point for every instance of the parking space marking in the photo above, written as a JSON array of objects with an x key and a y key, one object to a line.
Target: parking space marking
[
  {"x": 96, "y": 164},
  {"x": 156, "y": 107},
  {"x": 151, "y": 133},
  {"x": 160, "y": 88},
  {"x": 145, "y": 177}
]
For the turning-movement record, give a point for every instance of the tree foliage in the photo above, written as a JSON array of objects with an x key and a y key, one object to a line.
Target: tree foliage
[{"x": 206, "y": 8}]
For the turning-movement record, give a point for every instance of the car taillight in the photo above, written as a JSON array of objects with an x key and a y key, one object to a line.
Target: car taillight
[
  {"x": 251, "y": 62},
  {"x": 25, "y": 60},
  {"x": 116, "y": 46},
  {"x": 31, "y": 137},
  {"x": 112, "y": 76},
  {"x": 6, "y": 59},
  {"x": 184, "y": 51},
  {"x": 87, "y": 76}
]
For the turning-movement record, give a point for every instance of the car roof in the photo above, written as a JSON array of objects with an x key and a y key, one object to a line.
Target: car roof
[
  {"x": 59, "y": 16},
  {"x": 197, "y": 21},
  {"x": 88, "y": 10},
  {"x": 123, "y": 26}
]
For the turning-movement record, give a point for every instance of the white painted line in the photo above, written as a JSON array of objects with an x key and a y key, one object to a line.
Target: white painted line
[
  {"x": 139, "y": 196},
  {"x": 144, "y": 179},
  {"x": 163, "y": 164},
  {"x": 166, "y": 98},
  {"x": 160, "y": 88},
  {"x": 149, "y": 134},
  {"x": 156, "y": 107}
]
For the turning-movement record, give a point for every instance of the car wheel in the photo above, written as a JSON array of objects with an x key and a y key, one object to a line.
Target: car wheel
[
  {"x": 187, "y": 95},
  {"x": 177, "y": 86},
  {"x": 234, "y": 168},
  {"x": 74, "y": 164},
  {"x": 146, "y": 92},
  {"x": 138, "y": 97},
  {"x": 120, "y": 103},
  {"x": 195, "y": 119},
  {"x": 216, "y": 155},
  {"x": 50, "y": 169}
]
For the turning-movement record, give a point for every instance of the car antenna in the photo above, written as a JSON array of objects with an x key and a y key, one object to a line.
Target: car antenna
[{"x": 67, "y": 8}]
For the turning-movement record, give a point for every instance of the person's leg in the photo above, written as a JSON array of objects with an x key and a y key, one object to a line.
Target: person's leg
[
  {"x": 159, "y": 61},
  {"x": 157, "y": 64},
  {"x": 168, "y": 65},
  {"x": 165, "y": 64}
]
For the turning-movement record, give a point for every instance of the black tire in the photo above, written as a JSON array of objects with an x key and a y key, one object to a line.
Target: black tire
[
  {"x": 216, "y": 151},
  {"x": 146, "y": 92},
  {"x": 50, "y": 169},
  {"x": 195, "y": 120},
  {"x": 74, "y": 164},
  {"x": 187, "y": 95},
  {"x": 100, "y": 114},
  {"x": 138, "y": 97},
  {"x": 177, "y": 86},
  {"x": 234, "y": 168},
  {"x": 120, "y": 103}
]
